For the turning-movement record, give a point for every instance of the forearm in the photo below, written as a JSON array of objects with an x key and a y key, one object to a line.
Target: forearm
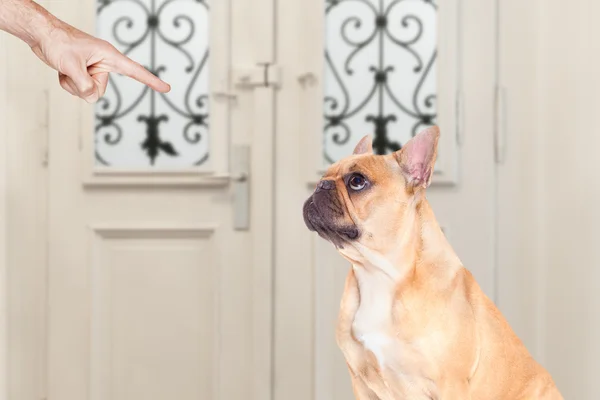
[{"x": 26, "y": 20}]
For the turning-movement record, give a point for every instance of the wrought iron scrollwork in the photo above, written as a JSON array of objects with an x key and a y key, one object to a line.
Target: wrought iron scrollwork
[
  {"x": 158, "y": 32},
  {"x": 381, "y": 38}
]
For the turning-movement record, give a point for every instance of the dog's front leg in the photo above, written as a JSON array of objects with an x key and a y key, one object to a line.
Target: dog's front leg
[
  {"x": 360, "y": 388},
  {"x": 345, "y": 340}
]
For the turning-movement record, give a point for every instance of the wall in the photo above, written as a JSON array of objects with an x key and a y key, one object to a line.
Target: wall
[
  {"x": 548, "y": 194},
  {"x": 568, "y": 106},
  {"x": 518, "y": 208}
]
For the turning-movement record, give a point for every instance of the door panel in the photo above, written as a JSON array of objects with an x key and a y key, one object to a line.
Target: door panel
[
  {"x": 315, "y": 116},
  {"x": 147, "y": 286},
  {"x": 156, "y": 289}
]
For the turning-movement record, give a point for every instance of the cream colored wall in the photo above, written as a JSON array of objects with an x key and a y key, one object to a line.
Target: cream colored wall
[
  {"x": 549, "y": 193},
  {"x": 517, "y": 200},
  {"x": 569, "y": 106}
]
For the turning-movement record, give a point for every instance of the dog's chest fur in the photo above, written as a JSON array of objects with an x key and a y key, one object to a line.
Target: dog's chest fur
[
  {"x": 399, "y": 361},
  {"x": 372, "y": 325}
]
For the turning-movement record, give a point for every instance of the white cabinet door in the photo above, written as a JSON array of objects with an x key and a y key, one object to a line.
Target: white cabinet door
[
  {"x": 386, "y": 68},
  {"x": 159, "y": 254}
]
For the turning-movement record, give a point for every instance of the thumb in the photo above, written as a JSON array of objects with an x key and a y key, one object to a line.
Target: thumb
[{"x": 85, "y": 85}]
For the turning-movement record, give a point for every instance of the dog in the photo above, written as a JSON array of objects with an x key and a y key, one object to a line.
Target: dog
[{"x": 413, "y": 323}]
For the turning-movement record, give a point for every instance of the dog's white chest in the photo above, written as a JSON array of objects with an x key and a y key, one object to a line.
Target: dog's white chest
[{"x": 372, "y": 324}]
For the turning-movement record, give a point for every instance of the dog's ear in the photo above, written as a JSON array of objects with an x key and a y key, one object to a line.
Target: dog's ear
[
  {"x": 365, "y": 146},
  {"x": 417, "y": 157}
]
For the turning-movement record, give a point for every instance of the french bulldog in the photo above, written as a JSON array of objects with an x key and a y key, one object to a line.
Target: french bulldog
[{"x": 413, "y": 322}]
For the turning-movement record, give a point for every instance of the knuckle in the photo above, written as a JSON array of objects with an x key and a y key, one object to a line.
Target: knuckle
[
  {"x": 107, "y": 46},
  {"x": 87, "y": 90},
  {"x": 69, "y": 66},
  {"x": 109, "y": 50}
]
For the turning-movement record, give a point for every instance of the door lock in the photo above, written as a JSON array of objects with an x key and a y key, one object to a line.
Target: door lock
[{"x": 262, "y": 75}]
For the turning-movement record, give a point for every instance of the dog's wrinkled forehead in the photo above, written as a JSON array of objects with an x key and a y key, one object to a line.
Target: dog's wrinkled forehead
[{"x": 370, "y": 165}]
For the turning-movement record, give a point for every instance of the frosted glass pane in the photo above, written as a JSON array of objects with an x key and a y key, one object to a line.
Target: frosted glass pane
[
  {"x": 135, "y": 126},
  {"x": 380, "y": 73}
]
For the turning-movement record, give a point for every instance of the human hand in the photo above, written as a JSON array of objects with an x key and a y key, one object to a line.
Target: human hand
[{"x": 83, "y": 62}]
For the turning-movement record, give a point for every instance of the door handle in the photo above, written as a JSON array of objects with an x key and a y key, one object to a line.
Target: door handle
[{"x": 240, "y": 178}]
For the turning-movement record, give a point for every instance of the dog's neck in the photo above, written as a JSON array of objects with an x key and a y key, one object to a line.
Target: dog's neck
[{"x": 420, "y": 244}]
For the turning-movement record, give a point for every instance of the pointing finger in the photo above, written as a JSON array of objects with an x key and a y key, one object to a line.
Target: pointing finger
[{"x": 130, "y": 68}]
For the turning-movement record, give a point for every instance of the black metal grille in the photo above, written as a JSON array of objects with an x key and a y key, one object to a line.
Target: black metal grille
[
  {"x": 377, "y": 72},
  {"x": 161, "y": 33}
]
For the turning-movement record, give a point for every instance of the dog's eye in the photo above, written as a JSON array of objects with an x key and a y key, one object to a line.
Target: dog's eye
[{"x": 357, "y": 182}]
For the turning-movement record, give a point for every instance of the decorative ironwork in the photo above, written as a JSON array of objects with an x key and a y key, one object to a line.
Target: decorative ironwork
[
  {"x": 380, "y": 72},
  {"x": 136, "y": 126}
]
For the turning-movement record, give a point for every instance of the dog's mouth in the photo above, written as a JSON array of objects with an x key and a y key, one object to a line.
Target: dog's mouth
[
  {"x": 310, "y": 214},
  {"x": 316, "y": 221}
]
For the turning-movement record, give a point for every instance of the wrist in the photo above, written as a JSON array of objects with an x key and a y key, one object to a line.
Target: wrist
[
  {"x": 26, "y": 20},
  {"x": 40, "y": 27}
]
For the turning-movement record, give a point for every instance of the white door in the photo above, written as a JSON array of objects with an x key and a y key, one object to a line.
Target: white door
[
  {"x": 23, "y": 116},
  {"x": 388, "y": 68},
  {"x": 159, "y": 215}
]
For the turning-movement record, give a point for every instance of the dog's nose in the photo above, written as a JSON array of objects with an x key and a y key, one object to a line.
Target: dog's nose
[{"x": 325, "y": 185}]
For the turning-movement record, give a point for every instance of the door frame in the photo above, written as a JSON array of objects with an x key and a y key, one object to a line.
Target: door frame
[
  {"x": 4, "y": 48},
  {"x": 23, "y": 130}
]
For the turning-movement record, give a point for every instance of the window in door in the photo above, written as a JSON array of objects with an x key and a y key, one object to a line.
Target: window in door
[
  {"x": 380, "y": 73},
  {"x": 135, "y": 126}
]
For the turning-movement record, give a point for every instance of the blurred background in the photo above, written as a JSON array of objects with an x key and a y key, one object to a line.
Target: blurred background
[{"x": 152, "y": 246}]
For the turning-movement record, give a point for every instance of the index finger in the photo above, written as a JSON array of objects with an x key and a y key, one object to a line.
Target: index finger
[{"x": 132, "y": 69}]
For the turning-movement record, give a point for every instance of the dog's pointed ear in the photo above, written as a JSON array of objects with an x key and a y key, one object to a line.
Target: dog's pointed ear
[
  {"x": 365, "y": 146},
  {"x": 417, "y": 157}
]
